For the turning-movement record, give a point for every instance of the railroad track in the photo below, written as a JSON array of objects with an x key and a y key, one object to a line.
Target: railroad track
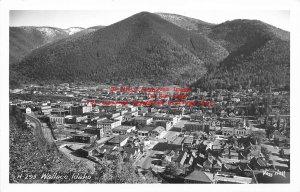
[
  {"x": 41, "y": 137},
  {"x": 38, "y": 129}
]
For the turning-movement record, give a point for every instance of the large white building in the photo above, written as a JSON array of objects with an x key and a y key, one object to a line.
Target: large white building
[
  {"x": 122, "y": 129},
  {"x": 88, "y": 108},
  {"x": 165, "y": 117},
  {"x": 46, "y": 110},
  {"x": 108, "y": 125},
  {"x": 57, "y": 119}
]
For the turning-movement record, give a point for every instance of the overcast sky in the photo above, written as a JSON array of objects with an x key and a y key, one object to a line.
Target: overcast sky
[{"x": 89, "y": 18}]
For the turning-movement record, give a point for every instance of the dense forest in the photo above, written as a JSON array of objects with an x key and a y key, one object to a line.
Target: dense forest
[
  {"x": 164, "y": 49},
  {"x": 143, "y": 47},
  {"x": 259, "y": 56},
  {"x": 22, "y": 40}
]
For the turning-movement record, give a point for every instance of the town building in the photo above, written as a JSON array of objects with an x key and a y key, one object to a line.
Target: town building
[
  {"x": 198, "y": 176},
  {"x": 70, "y": 119},
  {"x": 129, "y": 115},
  {"x": 108, "y": 125},
  {"x": 84, "y": 138},
  {"x": 122, "y": 129},
  {"x": 59, "y": 111},
  {"x": 193, "y": 126},
  {"x": 163, "y": 117},
  {"x": 145, "y": 131},
  {"x": 94, "y": 131},
  {"x": 156, "y": 132},
  {"x": 235, "y": 131},
  {"x": 57, "y": 119},
  {"x": 76, "y": 110},
  {"x": 142, "y": 121},
  {"x": 198, "y": 116},
  {"x": 28, "y": 110},
  {"x": 118, "y": 140},
  {"x": 166, "y": 124},
  {"x": 46, "y": 110}
]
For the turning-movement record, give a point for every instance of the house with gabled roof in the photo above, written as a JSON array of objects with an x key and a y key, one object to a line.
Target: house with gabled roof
[
  {"x": 198, "y": 176},
  {"x": 258, "y": 163}
]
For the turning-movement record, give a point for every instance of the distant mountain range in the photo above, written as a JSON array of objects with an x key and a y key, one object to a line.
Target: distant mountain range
[
  {"x": 157, "y": 49},
  {"x": 73, "y": 30},
  {"x": 259, "y": 55},
  {"x": 22, "y": 40}
]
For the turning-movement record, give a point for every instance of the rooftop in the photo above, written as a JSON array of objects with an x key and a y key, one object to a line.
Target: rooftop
[
  {"x": 84, "y": 135},
  {"x": 57, "y": 116},
  {"x": 92, "y": 128},
  {"x": 118, "y": 139},
  {"x": 142, "y": 118},
  {"x": 147, "y": 128},
  {"x": 163, "y": 115},
  {"x": 181, "y": 123},
  {"x": 123, "y": 128},
  {"x": 107, "y": 121},
  {"x": 188, "y": 140},
  {"x": 159, "y": 129},
  {"x": 193, "y": 123},
  {"x": 234, "y": 179},
  {"x": 178, "y": 140},
  {"x": 201, "y": 176}
]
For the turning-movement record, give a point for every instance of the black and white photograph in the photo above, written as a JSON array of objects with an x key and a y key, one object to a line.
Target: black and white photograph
[{"x": 142, "y": 92}]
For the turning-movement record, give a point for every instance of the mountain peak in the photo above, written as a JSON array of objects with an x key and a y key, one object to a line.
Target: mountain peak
[
  {"x": 24, "y": 39},
  {"x": 160, "y": 48},
  {"x": 144, "y": 13},
  {"x": 250, "y": 29},
  {"x": 72, "y": 30},
  {"x": 143, "y": 47},
  {"x": 187, "y": 23}
]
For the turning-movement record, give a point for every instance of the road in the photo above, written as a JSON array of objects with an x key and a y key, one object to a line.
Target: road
[
  {"x": 145, "y": 162},
  {"x": 43, "y": 135}
]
